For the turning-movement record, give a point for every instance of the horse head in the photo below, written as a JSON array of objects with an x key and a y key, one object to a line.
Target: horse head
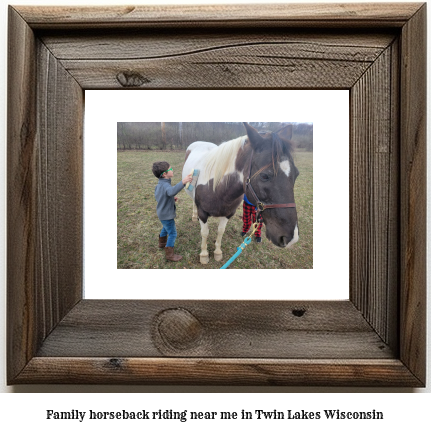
[{"x": 272, "y": 175}]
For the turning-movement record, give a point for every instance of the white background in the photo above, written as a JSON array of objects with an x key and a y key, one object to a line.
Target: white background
[
  {"x": 329, "y": 278},
  {"x": 403, "y": 409}
]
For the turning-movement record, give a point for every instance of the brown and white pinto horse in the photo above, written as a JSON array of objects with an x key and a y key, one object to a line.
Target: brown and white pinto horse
[{"x": 258, "y": 164}]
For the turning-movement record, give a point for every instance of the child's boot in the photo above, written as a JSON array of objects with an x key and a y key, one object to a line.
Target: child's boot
[
  {"x": 170, "y": 255},
  {"x": 162, "y": 241}
]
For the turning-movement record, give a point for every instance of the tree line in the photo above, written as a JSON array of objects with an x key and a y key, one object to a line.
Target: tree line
[{"x": 178, "y": 136}]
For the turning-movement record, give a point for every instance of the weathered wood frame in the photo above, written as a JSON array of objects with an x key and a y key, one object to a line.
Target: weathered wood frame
[{"x": 376, "y": 338}]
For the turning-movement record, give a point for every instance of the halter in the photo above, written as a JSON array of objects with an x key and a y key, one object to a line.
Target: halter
[{"x": 259, "y": 204}]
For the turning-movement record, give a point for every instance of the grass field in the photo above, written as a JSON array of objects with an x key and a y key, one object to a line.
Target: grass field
[{"x": 138, "y": 226}]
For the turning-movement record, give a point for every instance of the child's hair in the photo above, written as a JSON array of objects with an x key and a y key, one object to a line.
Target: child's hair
[{"x": 159, "y": 168}]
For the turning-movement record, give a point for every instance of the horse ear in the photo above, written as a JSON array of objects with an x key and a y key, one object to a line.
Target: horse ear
[
  {"x": 286, "y": 133},
  {"x": 254, "y": 137}
]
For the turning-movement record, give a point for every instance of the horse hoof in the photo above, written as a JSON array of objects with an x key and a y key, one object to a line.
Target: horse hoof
[
  {"x": 218, "y": 256},
  {"x": 205, "y": 259}
]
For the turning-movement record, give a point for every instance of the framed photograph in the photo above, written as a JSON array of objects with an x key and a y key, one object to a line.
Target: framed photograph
[
  {"x": 376, "y": 337},
  {"x": 121, "y": 230}
]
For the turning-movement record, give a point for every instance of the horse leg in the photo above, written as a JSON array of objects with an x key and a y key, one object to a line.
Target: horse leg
[
  {"x": 204, "y": 256},
  {"x": 218, "y": 254},
  {"x": 195, "y": 213}
]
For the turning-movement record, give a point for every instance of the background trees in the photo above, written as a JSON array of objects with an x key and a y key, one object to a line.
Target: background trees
[{"x": 177, "y": 136}]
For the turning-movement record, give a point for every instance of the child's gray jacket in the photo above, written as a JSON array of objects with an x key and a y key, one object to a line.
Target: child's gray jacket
[{"x": 164, "y": 194}]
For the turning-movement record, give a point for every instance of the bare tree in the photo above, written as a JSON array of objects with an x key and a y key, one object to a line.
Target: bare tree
[
  {"x": 163, "y": 135},
  {"x": 180, "y": 132}
]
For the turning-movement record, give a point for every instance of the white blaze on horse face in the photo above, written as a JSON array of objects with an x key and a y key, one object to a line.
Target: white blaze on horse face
[
  {"x": 294, "y": 239},
  {"x": 241, "y": 176},
  {"x": 285, "y": 166}
]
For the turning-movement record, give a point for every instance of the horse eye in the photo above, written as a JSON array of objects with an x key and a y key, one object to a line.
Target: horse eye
[{"x": 264, "y": 177}]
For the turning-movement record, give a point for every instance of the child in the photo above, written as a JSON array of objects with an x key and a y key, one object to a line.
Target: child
[
  {"x": 249, "y": 217},
  {"x": 165, "y": 197}
]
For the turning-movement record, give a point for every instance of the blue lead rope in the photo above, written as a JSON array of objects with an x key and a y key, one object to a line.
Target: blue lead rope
[{"x": 246, "y": 241}]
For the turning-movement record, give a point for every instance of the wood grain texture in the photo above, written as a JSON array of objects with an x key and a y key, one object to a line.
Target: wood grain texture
[
  {"x": 59, "y": 163},
  {"x": 196, "y": 371},
  {"x": 413, "y": 194},
  {"x": 21, "y": 194},
  {"x": 202, "y": 59},
  {"x": 271, "y": 15},
  {"x": 142, "y": 44},
  {"x": 44, "y": 193},
  {"x": 376, "y": 338},
  {"x": 227, "y": 329},
  {"x": 374, "y": 194},
  {"x": 253, "y": 59}
]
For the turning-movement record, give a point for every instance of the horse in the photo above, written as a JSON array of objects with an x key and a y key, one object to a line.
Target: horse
[{"x": 259, "y": 164}]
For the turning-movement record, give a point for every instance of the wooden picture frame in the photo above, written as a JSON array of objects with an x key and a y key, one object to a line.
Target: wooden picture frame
[{"x": 376, "y": 338}]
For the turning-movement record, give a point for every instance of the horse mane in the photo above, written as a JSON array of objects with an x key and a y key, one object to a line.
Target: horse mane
[{"x": 221, "y": 160}]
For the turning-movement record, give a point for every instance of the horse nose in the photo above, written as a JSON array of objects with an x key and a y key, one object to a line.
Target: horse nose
[
  {"x": 289, "y": 242},
  {"x": 284, "y": 241}
]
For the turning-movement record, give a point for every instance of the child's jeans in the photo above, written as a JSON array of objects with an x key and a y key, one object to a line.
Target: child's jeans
[{"x": 169, "y": 230}]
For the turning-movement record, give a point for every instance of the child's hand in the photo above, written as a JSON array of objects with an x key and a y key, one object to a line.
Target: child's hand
[{"x": 187, "y": 179}]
